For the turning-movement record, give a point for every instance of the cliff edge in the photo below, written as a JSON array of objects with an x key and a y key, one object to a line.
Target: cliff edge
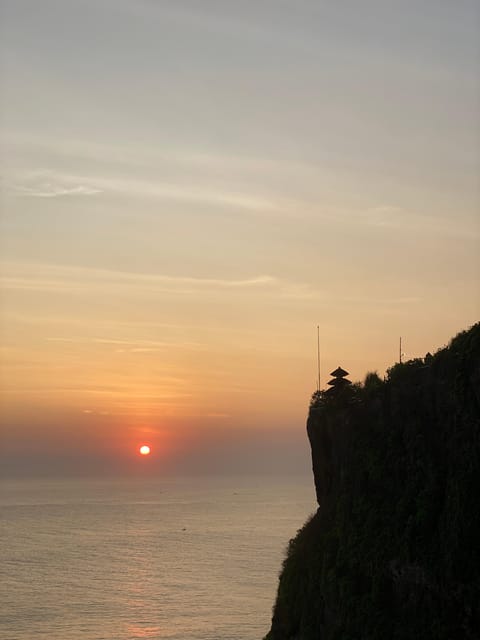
[{"x": 393, "y": 551}]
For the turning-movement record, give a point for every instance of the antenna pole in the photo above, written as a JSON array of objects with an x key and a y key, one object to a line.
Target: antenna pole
[
  {"x": 400, "y": 350},
  {"x": 318, "y": 356}
]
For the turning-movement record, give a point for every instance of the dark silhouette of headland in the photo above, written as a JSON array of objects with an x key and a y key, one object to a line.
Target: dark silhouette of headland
[{"x": 393, "y": 551}]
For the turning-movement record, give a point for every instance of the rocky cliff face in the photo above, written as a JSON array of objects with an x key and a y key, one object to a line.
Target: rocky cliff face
[{"x": 393, "y": 551}]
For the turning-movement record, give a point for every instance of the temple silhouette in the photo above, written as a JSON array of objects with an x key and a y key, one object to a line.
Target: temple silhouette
[{"x": 338, "y": 382}]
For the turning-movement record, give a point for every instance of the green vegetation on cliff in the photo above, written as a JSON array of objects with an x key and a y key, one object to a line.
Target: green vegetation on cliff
[{"x": 393, "y": 551}]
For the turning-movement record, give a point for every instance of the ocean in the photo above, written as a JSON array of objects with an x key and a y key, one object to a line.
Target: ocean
[{"x": 183, "y": 559}]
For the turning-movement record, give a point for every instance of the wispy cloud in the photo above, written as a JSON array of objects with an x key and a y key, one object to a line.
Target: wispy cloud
[
  {"x": 59, "y": 278},
  {"x": 55, "y": 184},
  {"x": 51, "y": 191},
  {"x": 131, "y": 346},
  {"x": 380, "y": 301},
  {"x": 44, "y": 184},
  {"x": 125, "y": 395},
  {"x": 385, "y": 216},
  {"x": 391, "y": 217}
]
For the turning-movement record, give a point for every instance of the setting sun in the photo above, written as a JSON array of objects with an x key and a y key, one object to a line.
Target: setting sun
[{"x": 144, "y": 450}]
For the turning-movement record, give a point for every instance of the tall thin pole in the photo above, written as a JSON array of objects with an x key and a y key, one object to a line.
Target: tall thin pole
[
  {"x": 318, "y": 356},
  {"x": 400, "y": 351}
]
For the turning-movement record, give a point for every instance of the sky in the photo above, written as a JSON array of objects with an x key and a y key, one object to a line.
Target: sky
[{"x": 189, "y": 188}]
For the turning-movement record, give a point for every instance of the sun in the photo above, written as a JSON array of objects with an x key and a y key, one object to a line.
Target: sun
[{"x": 144, "y": 450}]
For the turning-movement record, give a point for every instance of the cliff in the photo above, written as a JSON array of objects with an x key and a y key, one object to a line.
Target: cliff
[{"x": 393, "y": 551}]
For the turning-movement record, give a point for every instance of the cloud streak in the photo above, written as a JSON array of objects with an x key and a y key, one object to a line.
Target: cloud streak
[
  {"x": 66, "y": 279},
  {"x": 49, "y": 184},
  {"x": 131, "y": 346},
  {"x": 52, "y": 191},
  {"x": 54, "y": 184}
]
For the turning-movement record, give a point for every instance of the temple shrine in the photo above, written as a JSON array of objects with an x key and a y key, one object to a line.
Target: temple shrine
[{"x": 338, "y": 381}]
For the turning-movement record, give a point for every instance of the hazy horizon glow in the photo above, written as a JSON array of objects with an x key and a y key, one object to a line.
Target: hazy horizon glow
[{"x": 189, "y": 190}]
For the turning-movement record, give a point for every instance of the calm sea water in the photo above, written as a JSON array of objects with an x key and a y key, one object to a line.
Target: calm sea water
[{"x": 186, "y": 559}]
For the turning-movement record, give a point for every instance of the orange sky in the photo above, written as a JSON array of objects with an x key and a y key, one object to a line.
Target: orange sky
[{"x": 184, "y": 201}]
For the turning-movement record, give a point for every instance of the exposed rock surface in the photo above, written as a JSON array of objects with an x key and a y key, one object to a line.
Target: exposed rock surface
[{"x": 393, "y": 551}]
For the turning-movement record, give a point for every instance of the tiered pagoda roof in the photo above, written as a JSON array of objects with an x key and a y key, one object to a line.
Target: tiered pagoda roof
[
  {"x": 339, "y": 373},
  {"x": 338, "y": 381}
]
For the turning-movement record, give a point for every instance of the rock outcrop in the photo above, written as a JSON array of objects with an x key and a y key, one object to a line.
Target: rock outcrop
[{"x": 393, "y": 551}]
